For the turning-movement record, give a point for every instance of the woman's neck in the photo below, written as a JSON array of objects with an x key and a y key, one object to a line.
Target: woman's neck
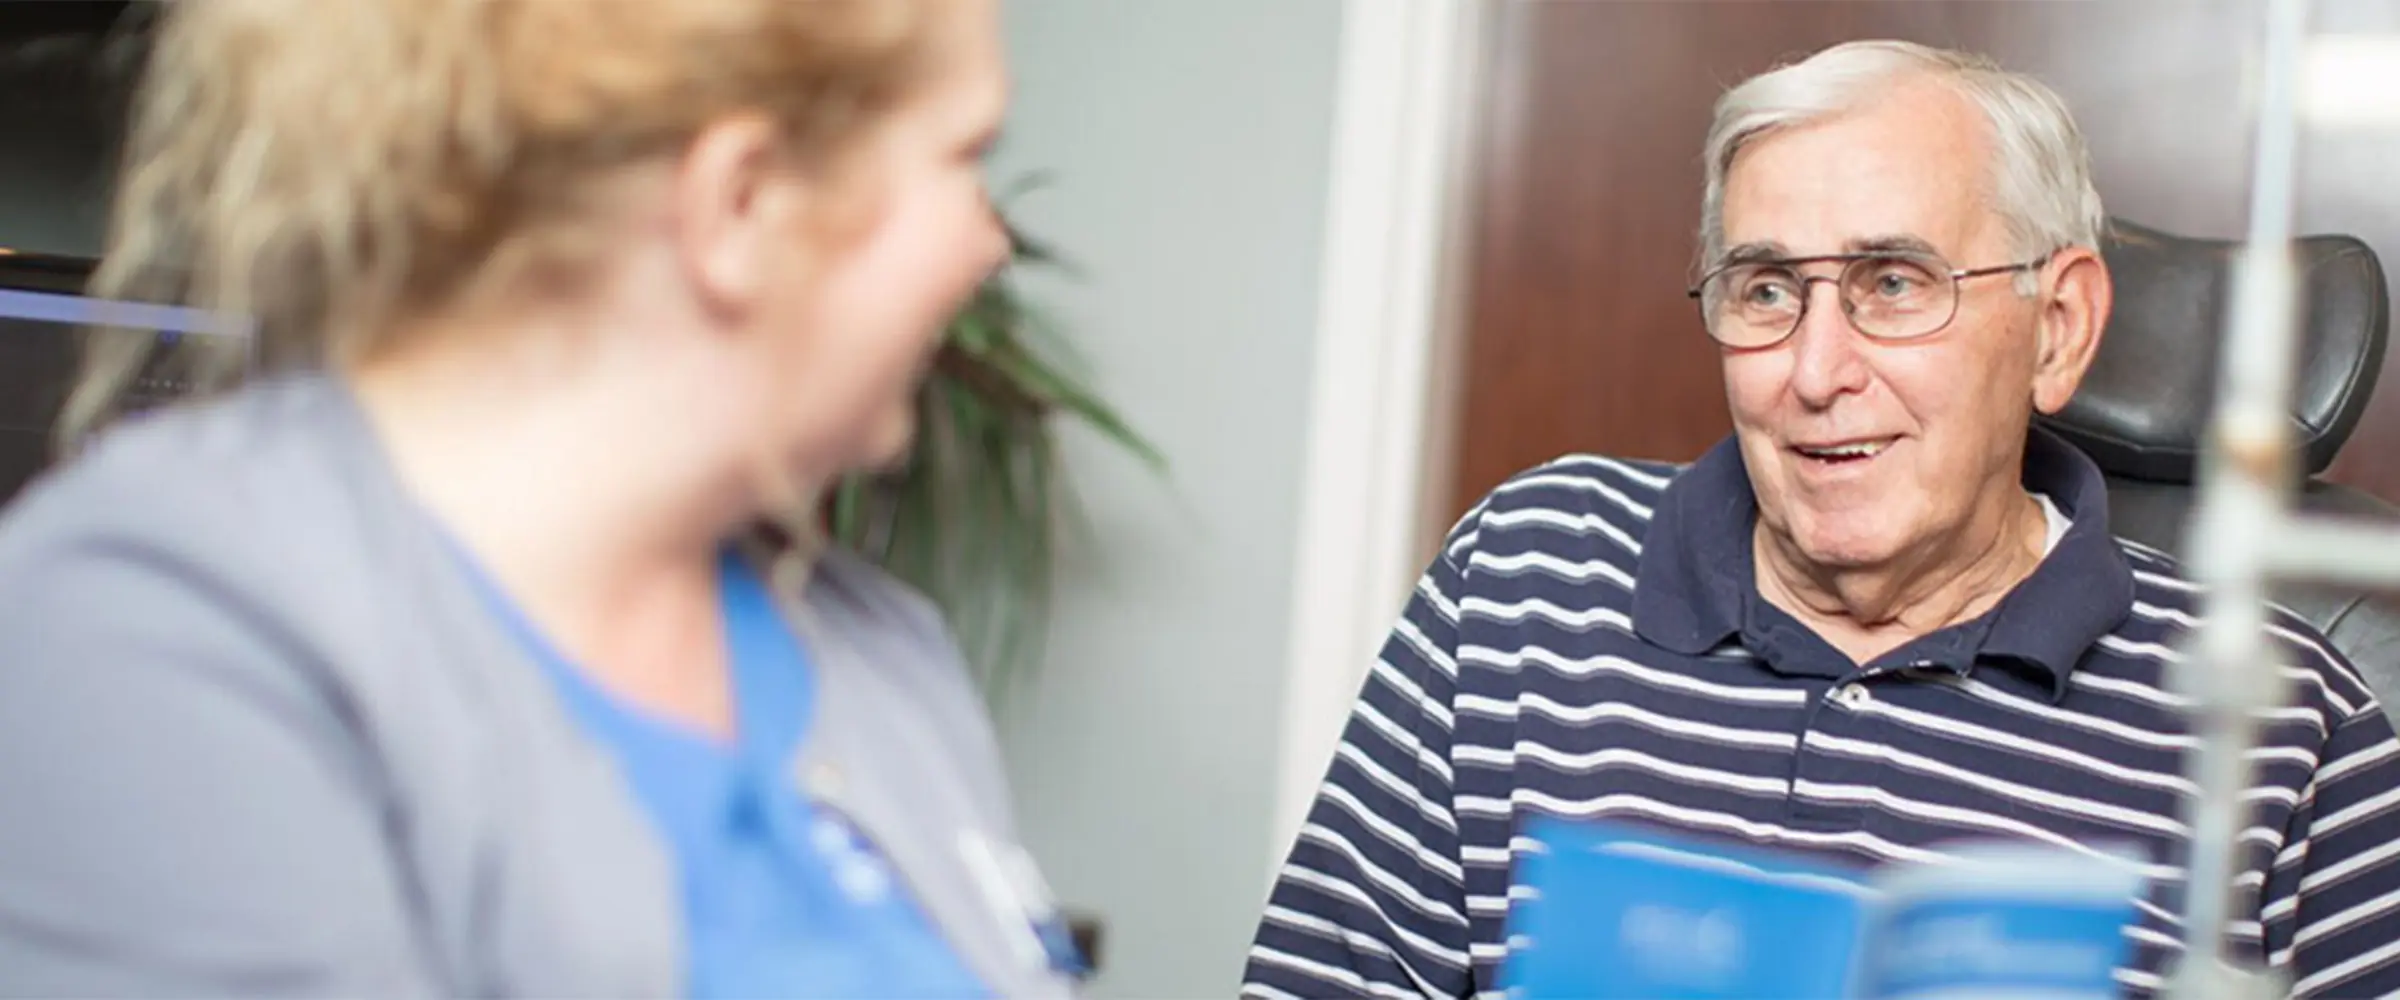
[{"x": 599, "y": 519}]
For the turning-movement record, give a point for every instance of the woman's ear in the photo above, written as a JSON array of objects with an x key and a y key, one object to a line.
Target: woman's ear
[
  {"x": 732, "y": 211},
  {"x": 2074, "y": 312}
]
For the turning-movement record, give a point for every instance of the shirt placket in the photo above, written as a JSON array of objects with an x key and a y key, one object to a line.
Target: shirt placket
[{"x": 1824, "y": 782}]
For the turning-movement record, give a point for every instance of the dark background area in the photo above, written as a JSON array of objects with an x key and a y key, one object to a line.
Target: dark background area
[
  {"x": 66, "y": 72},
  {"x": 66, "y": 68}
]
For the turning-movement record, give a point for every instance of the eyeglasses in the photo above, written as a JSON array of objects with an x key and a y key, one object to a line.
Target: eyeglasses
[{"x": 1885, "y": 295}]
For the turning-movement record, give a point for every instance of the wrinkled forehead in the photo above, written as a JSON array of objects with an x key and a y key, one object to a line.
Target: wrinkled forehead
[{"x": 1912, "y": 166}]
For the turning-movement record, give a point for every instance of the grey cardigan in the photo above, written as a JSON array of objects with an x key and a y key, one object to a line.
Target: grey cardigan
[{"x": 258, "y": 736}]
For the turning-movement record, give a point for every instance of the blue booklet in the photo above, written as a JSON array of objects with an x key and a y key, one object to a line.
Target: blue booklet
[{"x": 1618, "y": 912}]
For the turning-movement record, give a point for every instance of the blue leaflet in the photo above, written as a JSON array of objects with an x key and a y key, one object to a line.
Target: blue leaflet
[
  {"x": 2002, "y": 921},
  {"x": 1619, "y": 912},
  {"x": 1632, "y": 914}
]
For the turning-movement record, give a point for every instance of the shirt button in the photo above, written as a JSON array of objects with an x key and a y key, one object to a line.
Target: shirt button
[{"x": 1852, "y": 695}]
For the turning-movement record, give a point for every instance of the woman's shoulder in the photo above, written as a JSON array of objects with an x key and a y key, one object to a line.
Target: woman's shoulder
[
  {"x": 248, "y": 508},
  {"x": 894, "y": 632},
  {"x": 227, "y": 619},
  {"x": 230, "y": 477},
  {"x": 189, "y": 550},
  {"x": 877, "y": 611}
]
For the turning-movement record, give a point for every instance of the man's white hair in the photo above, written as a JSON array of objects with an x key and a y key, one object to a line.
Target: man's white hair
[{"x": 2041, "y": 170}]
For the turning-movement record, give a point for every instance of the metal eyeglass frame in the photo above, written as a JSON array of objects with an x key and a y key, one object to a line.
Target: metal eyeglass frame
[{"x": 1850, "y": 261}]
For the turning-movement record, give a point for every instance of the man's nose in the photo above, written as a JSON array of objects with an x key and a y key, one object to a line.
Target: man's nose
[{"x": 1827, "y": 362}]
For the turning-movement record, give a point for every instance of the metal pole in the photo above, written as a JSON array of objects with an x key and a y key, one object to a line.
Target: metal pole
[
  {"x": 2354, "y": 552},
  {"x": 2243, "y": 506}
]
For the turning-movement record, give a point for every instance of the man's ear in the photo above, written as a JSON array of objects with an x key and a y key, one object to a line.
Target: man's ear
[
  {"x": 2074, "y": 311},
  {"x": 732, "y": 223}
]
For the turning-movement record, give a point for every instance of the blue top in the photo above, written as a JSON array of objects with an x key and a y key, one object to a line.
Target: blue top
[{"x": 783, "y": 897}]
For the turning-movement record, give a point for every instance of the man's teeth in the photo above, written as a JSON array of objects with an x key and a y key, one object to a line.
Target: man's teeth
[{"x": 1865, "y": 449}]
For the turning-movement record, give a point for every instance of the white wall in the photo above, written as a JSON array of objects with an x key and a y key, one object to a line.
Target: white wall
[{"x": 1189, "y": 143}]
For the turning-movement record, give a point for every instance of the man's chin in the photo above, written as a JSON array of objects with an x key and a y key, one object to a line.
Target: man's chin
[
  {"x": 1851, "y": 541},
  {"x": 1845, "y": 556}
]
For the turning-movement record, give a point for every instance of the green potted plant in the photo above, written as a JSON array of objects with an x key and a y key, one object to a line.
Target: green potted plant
[{"x": 973, "y": 515}]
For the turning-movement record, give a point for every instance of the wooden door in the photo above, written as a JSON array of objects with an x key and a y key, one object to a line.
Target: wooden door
[{"x": 1586, "y": 199}]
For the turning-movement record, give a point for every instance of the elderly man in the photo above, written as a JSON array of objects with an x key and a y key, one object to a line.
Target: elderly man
[{"x": 1885, "y": 615}]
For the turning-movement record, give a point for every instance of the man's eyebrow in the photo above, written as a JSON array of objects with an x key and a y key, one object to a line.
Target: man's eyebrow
[
  {"x": 1755, "y": 253},
  {"x": 1893, "y": 243}
]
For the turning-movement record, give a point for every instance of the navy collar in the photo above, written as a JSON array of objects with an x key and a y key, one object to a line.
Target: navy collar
[{"x": 1696, "y": 585}]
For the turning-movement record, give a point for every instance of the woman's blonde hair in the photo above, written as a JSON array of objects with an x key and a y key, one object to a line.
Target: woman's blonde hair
[{"x": 328, "y": 169}]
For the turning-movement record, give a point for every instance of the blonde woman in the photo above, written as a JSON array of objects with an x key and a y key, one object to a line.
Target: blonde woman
[{"x": 447, "y": 656}]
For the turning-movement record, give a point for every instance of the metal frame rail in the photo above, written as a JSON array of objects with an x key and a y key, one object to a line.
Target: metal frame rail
[{"x": 2245, "y": 535}]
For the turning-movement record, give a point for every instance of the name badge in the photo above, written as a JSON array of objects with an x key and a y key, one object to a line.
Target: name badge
[{"x": 1013, "y": 887}]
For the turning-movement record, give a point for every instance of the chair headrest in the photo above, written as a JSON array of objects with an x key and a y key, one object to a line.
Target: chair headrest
[{"x": 2144, "y": 408}]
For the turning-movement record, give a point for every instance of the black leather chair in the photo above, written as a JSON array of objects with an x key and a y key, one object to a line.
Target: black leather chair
[{"x": 2143, "y": 409}]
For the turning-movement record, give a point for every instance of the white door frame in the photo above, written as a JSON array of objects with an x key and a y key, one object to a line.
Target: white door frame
[{"x": 1379, "y": 403}]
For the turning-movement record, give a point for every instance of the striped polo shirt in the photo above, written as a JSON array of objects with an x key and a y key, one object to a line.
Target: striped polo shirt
[{"x": 1590, "y": 643}]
